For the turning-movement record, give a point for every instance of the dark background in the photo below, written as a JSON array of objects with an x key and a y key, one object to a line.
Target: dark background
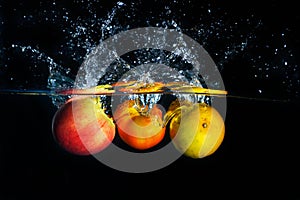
[{"x": 259, "y": 156}]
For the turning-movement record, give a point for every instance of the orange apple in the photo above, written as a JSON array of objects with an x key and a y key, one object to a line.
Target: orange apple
[
  {"x": 139, "y": 127},
  {"x": 81, "y": 126}
]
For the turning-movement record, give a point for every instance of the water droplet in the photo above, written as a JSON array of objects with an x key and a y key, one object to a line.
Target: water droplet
[{"x": 119, "y": 3}]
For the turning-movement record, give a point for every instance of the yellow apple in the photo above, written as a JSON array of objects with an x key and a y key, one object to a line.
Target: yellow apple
[{"x": 197, "y": 130}]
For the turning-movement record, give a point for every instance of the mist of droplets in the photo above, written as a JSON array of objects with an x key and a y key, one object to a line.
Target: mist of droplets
[{"x": 224, "y": 39}]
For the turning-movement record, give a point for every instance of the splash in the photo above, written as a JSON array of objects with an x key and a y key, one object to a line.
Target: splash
[
  {"x": 58, "y": 76},
  {"x": 84, "y": 25}
]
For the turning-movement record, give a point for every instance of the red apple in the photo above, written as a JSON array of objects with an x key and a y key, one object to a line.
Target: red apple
[{"x": 81, "y": 126}]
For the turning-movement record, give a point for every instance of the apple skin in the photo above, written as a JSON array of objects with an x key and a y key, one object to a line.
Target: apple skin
[
  {"x": 81, "y": 127},
  {"x": 199, "y": 130},
  {"x": 137, "y": 130}
]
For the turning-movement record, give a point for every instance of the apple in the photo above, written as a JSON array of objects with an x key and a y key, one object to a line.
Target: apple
[
  {"x": 81, "y": 127},
  {"x": 197, "y": 130},
  {"x": 139, "y": 127}
]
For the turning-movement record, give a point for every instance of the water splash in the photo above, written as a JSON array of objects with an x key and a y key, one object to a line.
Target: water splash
[
  {"x": 58, "y": 76},
  {"x": 84, "y": 25}
]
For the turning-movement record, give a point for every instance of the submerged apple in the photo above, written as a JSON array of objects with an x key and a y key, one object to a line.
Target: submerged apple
[
  {"x": 81, "y": 126},
  {"x": 139, "y": 127},
  {"x": 197, "y": 130}
]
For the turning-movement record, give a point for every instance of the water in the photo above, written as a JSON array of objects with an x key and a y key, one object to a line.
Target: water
[
  {"x": 225, "y": 39},
  {"x": 255, "y": 47}
]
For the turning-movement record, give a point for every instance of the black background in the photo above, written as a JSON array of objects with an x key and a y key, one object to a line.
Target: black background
[{"x": 258, "y": 157}]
